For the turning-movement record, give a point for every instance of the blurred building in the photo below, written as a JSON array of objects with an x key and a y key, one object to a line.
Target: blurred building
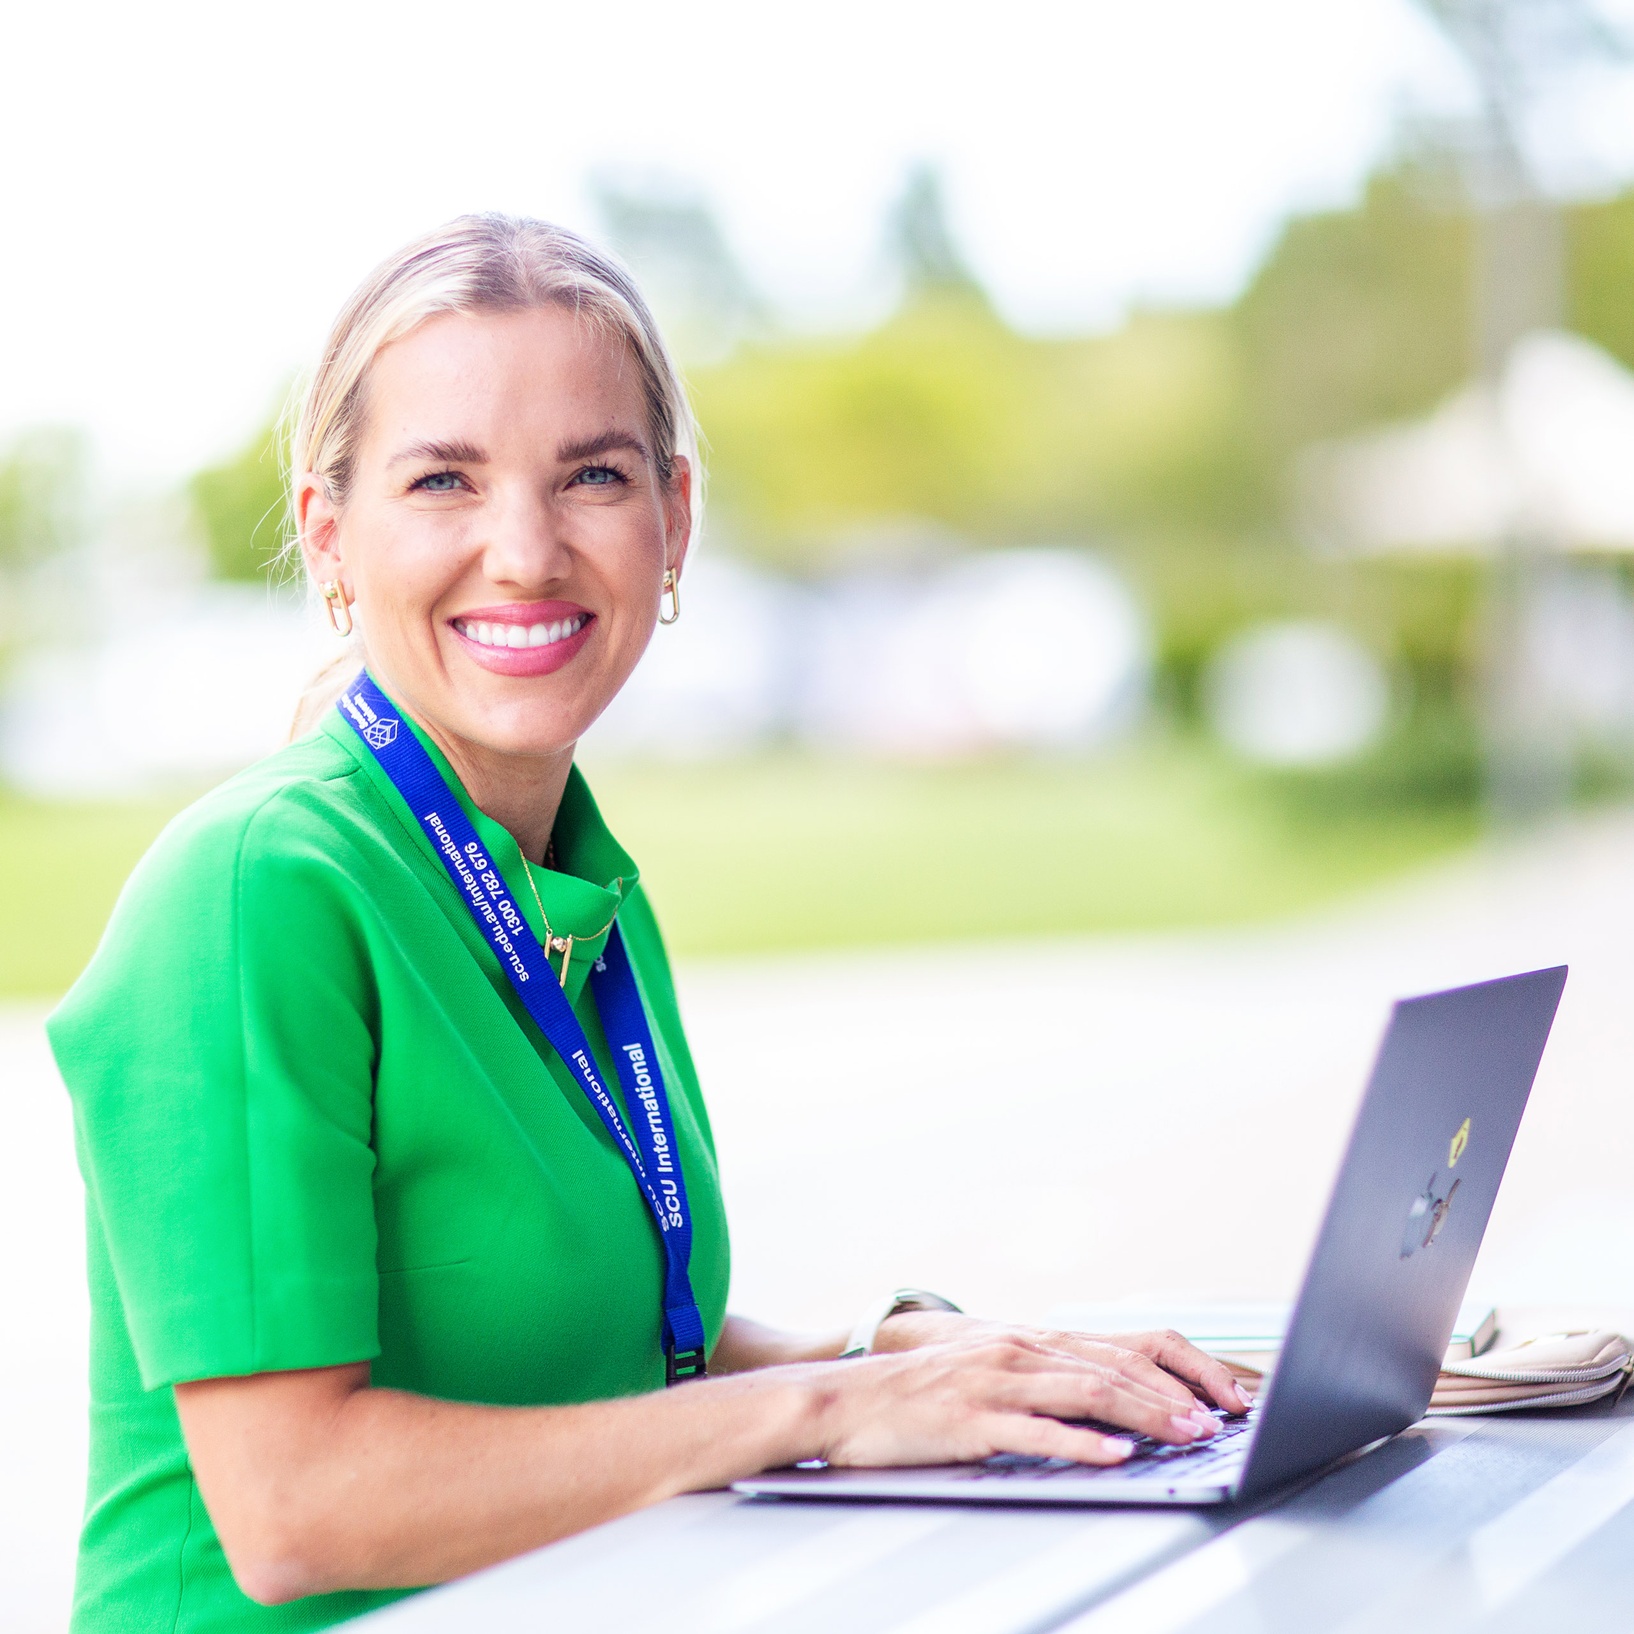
[
  {"x": 1533, "y": 472},
  {"x": 1041, "y": 650},
  {"x": 198, "y": 685},
  {"x": 1545, "y": 450}
]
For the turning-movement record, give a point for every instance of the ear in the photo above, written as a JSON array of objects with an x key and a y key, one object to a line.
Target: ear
[
  {"x": 678, "y": 515},
  {"x": 317, "y": 528}
]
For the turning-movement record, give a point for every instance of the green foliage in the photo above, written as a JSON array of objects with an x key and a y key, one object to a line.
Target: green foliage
[
  {"x": 241, "y": 507},
  {"x": 1175, "y": 423},
  {"x": 42, "y": 496},
  {"x": 1434, "y": 764},
  {"x": 1360, "y": 316},
  {"x": 947, "y": 415},
  {"x": 1600, "y": 262}
]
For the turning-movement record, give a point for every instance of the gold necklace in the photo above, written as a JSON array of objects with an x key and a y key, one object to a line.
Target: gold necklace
[{"x": 554, "y": 943}]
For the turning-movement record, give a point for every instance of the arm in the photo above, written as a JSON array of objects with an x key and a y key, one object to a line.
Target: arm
[
  {"x": 745, "y": 1345},
  {"x": 316, "y": 1481}
]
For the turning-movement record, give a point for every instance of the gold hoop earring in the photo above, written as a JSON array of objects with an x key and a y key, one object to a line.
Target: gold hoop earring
[
  {"x": 671, "y": 588},
  {"x": 338, "y": 605}
]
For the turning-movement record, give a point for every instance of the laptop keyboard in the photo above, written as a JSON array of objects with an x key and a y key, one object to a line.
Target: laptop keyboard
[{"x": 1155, "y": 1460}]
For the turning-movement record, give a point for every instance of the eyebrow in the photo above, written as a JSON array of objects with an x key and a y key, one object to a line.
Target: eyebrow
[
  {"x": 582, "y": 448},
  {"x": 586, "y": 448},
  {"x": 448, "y": 453}
]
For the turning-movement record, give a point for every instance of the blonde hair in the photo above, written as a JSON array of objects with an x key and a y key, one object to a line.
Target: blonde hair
[{"x": 473, "y": 264}]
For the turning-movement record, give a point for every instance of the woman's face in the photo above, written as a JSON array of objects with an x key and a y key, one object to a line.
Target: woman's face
[{"x": 507, "y": 531}]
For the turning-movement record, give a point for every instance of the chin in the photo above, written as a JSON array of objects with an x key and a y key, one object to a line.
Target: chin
[{"x": 536, "y": 728}]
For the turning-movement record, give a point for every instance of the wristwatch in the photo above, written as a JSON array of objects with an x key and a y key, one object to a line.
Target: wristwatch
[{"x": 861, "y": 1342}]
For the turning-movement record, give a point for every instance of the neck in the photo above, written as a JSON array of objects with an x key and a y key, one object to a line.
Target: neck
[{"x": 522, "y": 793}]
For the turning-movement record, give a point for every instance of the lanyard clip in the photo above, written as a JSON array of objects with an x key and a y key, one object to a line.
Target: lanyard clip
[{"x": 681, "y": 1365}]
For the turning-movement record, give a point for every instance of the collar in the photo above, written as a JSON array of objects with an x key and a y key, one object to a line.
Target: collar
[{"x": 594, "y": 874}]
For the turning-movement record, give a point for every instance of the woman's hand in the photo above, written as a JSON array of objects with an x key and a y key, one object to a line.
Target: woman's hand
[
  {"x": 957, "y": 1389},
  {"x": 1162, "y": 1362}
]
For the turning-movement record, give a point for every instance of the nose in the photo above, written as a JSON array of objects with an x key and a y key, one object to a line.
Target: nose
[{"x": 525, "y": 542}]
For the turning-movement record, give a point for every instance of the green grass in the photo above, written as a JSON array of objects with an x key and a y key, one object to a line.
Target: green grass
[
  {"x": 801, "y": 852},
  {"x": 61, "y": 866},
  {"x": 796, "y": 851}
]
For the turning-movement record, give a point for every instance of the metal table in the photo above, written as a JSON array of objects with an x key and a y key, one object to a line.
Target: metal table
[{"x": 1524, "y": 1522}]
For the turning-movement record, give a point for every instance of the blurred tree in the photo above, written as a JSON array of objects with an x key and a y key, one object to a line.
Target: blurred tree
[
  {"x": 687, "y": 270},
  {"x": 42, "y": 496},
  {"x": 241, "y": 508},
  {"x": 920, "y": 240},
  {"x": 945, "y": 414},
  {"x": 1600, "y": 274},
  {"x": 1359, "y": 316}
]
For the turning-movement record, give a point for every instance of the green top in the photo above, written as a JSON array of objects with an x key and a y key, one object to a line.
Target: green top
[{"x": 317, "y": 1126}]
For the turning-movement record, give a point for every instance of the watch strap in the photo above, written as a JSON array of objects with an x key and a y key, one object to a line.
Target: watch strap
[{"x": 861, "y": 1340}]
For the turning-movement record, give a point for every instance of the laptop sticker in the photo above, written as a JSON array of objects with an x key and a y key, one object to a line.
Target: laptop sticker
[{"x": 1432, "y": 1205}]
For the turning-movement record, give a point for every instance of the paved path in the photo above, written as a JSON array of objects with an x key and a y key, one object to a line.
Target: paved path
[{"x": 1016, "y": 1124}]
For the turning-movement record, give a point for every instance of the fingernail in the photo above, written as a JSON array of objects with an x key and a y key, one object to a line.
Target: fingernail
[
  {"x": 1207, "y": 1423},
  {"x": 1117, "y": 1446},
  {"x": 1185, "y": 1426}
]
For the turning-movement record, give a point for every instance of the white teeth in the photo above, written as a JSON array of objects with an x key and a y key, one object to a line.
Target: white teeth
[{"x": 488, "y": 634}]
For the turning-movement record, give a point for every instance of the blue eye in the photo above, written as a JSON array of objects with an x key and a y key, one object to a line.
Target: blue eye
[
  {"x": 599, "y": 476},
  {"x": 439, "y": 482}
]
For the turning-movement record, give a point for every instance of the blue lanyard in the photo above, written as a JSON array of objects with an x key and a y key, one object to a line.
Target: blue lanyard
[{"x": 653, "y": 1157}]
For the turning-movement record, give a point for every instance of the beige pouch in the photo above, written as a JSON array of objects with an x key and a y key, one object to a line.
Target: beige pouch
[{"x": 1556, "y": 1370}]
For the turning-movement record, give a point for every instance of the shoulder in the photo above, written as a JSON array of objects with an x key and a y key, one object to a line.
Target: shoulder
[
  {"x": 308, "y": 802},
  {"x": 273, "y": 856}
]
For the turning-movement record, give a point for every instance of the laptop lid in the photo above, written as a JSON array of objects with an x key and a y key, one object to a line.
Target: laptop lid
[{"x": 1432, "y": 1138}]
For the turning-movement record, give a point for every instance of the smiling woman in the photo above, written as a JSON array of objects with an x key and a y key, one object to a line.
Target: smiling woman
[{"x": 398, "y": 1231}]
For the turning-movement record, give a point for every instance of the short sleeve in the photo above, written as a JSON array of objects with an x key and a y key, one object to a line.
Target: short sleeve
[{"x": 220, "y": 1054}]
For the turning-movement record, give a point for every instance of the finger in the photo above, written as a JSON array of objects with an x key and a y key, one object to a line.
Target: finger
[
  {"x": 1170, "y": 1411},
  {"x": 1087, "y": 1392},
  {"x": 1180, "y": 1357},
  {"x": 1135, "y": 1364},
  {"x": 1049, "y": 1438}
]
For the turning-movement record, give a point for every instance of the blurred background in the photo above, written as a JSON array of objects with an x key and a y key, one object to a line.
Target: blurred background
[
  {"x": 1186, "y": 451},
  {"x": 1166, "y": 573}
]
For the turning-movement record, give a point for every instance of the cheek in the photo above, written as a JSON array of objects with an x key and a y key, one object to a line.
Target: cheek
[
  {"x": 407, "y": 568},
  {"x": 630, "y": 560}
]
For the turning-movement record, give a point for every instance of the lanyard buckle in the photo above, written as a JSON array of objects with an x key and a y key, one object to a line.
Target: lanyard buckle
[{"x": 681, "y": 1365}]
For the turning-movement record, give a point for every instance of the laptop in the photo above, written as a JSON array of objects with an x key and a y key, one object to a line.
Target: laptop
[{"x": 1368, "y": 1333}]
